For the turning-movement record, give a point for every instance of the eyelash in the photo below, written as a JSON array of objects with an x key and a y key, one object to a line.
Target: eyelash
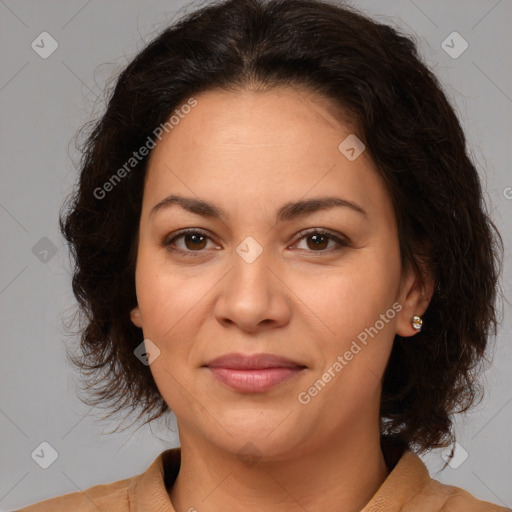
[{"x": 303, "y": 234}]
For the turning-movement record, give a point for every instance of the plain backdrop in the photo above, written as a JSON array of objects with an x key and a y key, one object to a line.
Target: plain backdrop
[{"x": 43, "y": 102}]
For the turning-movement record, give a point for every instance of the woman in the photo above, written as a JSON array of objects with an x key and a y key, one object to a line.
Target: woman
[{"x": 280, "y": 237}]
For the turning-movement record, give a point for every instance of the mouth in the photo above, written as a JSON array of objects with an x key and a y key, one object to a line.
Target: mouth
[{"x": 253, "y": 373}]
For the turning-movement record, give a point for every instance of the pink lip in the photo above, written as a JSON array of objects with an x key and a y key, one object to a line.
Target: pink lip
[{"x": 253, "y": 373}]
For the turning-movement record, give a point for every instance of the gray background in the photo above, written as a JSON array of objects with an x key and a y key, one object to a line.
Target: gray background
[{"x": 44, "y": 101}]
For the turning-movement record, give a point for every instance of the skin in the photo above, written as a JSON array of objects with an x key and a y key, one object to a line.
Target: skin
[{"x": 250, "y": 152}]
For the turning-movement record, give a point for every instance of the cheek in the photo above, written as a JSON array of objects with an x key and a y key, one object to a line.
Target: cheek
[
  {"x": 354, "y": 296},
  {"x": 345, "y": 299},
  {"x": 167, "y": 293},
  {"x": 360, "y": 310}
]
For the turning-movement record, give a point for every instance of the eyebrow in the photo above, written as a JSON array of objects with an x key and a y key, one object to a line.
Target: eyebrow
[{"x": 287, "y": 212}]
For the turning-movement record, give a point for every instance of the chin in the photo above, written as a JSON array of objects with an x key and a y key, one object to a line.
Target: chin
[{"x": 258, "y": 436}]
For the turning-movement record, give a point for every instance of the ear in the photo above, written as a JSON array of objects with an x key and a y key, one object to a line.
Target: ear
[
  {"x": 414, "y": 296},
  {"x": 135, "y": 316}
]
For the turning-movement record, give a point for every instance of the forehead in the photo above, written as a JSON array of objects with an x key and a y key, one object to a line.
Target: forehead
[
  {"x": 251, "y": 145},
  {"x": 277, "y": 116}
]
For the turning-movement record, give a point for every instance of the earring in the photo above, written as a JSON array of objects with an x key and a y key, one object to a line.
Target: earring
[{"x": 417, "y": 322}]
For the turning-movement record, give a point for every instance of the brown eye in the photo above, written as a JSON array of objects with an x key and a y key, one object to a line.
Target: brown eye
[
  {"x": 188, "y": 242},
  {"x": 318, "y": 240},
  {"x": 194, "y": 241}
]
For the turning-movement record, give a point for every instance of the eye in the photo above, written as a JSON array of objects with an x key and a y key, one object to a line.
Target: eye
[
  {"x": 194, "y": 240},
  {"x": 317, "y": 240}
]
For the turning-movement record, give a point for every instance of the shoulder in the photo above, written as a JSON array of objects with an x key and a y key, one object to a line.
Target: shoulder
[
  {"x": 436, "y": 496},
  {"x": 410, "y": 488},
  {"x": 112, "y": 497},
  {"x": 135, "y": 492},
  {"x": 455, "y": 499}
]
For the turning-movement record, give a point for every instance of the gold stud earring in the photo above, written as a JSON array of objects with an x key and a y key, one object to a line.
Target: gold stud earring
[{"x": 417, "y": 322}]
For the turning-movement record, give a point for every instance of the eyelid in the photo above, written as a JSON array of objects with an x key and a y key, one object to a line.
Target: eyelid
[
  {"x": 322, "y": 231},
  {"x": 169, "y": 240},
  {"x": 341, "y": 240}
]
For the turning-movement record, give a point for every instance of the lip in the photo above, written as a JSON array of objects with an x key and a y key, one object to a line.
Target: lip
[
  {"x": 253, "y": 373},
  {"x": 235, "y": 361}
]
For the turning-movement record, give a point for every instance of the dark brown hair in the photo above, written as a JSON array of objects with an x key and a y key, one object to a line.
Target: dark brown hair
[{"x": 410, "y": 131}]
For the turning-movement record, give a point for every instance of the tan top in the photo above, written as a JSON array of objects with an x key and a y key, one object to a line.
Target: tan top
[{"x": 407, "y": 488}]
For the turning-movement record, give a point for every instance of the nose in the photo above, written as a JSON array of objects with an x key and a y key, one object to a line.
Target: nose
[{"x": 252, "y": 295}]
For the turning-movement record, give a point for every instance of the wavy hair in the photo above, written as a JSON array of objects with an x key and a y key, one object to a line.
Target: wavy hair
[{"x": 411, "y": 132}]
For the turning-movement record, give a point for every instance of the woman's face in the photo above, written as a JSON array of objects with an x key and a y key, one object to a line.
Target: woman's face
[{"x": 322, "y": 287}]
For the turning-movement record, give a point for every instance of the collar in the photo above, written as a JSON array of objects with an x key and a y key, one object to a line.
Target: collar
[{"x": 148, "y": 492}]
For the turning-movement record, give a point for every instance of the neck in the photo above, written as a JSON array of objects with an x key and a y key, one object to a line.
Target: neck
[{"x": 349, "y": 471}]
